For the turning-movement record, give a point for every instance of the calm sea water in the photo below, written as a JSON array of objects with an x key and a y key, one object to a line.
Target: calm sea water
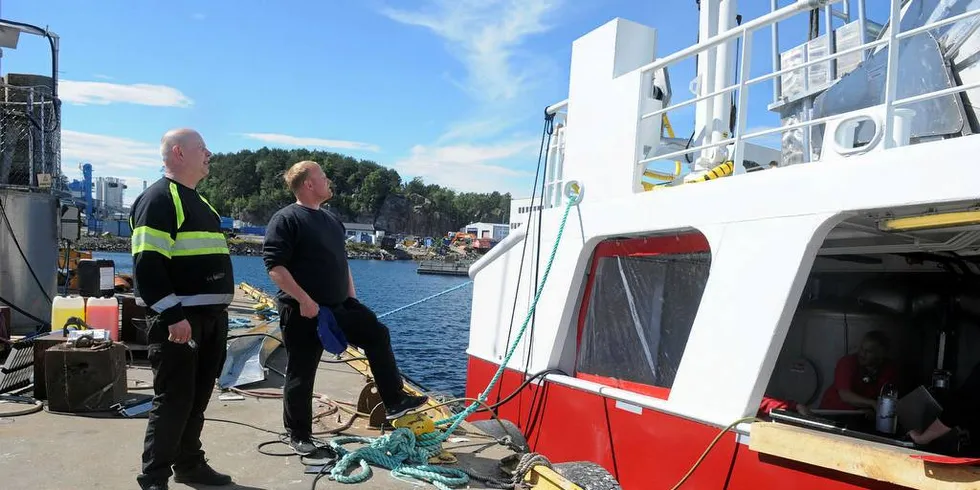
[{"x": 429, "y": 339}]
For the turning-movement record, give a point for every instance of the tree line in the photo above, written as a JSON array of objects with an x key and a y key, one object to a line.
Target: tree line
[{"x": 248, "y": 185}]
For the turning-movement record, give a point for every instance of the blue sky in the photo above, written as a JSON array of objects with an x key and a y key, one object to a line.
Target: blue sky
[{"x": 451, "y": 91}]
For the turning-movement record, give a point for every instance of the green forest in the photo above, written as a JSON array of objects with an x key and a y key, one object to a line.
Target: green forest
[{"x": 248, "y": 185}]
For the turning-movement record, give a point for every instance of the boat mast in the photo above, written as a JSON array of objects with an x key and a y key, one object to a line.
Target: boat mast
[{"x": 716, "y": 70}]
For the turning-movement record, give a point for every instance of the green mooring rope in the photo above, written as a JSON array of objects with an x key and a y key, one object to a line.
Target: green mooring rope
[{"x": 407, "y": 455}]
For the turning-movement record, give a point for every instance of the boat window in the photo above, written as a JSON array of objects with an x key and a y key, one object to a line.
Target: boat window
[
  {"x": 885, "y": 342},
  {"x": 642, "y": 297}
]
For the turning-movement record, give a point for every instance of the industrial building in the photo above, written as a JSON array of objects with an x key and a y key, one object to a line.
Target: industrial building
[
  {"x": 491, "y": 231},
  {"x": 98, "y": 215},
  {"x": 520, "y": 209}
]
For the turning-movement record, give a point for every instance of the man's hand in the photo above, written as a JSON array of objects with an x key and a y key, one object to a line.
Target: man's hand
[
  {"x": 916, "y": 437},
  {"x": 309, "y": 308},
  {"x": 180, "y": 332},
  {"x": 281, "y": 276}
]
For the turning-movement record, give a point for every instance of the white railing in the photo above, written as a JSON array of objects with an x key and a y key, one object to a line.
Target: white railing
[{"x": 744, "y": 32}]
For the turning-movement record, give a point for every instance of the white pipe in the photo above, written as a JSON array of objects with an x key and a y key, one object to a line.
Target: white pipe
[
  {"x": 862, "y": 28},
  {"x": 777, "y": 88},
  {"x": 891, "y": 72},
  {"x": 556, "y": 107},
  {"x": 704, "y": 111},
  {"x": 937, "y": 24},
  {"x": 743, "y": 101},
  {"x": 828, "y": 12},
  {"x": 724, "y": 76},
  {"x": 513, "y": 238}
]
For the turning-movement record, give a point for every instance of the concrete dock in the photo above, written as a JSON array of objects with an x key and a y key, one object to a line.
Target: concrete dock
[{"x": 52, "y": 451}]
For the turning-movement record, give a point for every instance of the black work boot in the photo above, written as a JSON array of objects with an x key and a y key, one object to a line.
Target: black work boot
[
  {"x": 302, "y": 446},
  {"x": 203, "y": 474},
  {"x": 407, "y": 404},
  {"x": 147, "y": 483}
]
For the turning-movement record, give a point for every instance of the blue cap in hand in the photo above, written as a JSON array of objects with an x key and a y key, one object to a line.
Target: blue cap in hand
[{"x": 331, "y": 336}]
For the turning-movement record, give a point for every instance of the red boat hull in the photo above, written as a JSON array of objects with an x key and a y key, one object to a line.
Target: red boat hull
[{"x": 649, "y": 450}]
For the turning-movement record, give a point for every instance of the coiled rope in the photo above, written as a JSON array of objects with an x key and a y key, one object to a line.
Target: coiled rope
[{"x": 407, "y": 455}]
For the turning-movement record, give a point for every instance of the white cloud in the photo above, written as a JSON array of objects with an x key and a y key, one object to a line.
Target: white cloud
[
  {"x": 108, "y": 154},
  {"x": 285, "y": 139},
  {"x": 474, "y": 130},
  {"x": 468, "y": 168},
  {"x": 104, "y": 93},
  {"x": 485, "y": 35},
  {"x": 199, "y": 16},
  {"x": 100, "y": 76},
  {"x": 111, "y": 156}
]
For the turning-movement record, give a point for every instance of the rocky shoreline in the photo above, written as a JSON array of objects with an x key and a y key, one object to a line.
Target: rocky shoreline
[
  {"x": 122, "y": 245},
  {"x": 237, "y": 247}
]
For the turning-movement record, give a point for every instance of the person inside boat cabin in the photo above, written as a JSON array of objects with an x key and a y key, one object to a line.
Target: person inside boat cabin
[
  {"x": 859, "y": 377},
  {"x": 960, "y": 416}
]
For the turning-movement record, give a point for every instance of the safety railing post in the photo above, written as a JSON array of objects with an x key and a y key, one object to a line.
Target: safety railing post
[
  {"x": 777, "y": 85},
  {"x": 743, "y": 98},
  {"x": 891, "y": 78},
  {"x": 862, "y": 28}
]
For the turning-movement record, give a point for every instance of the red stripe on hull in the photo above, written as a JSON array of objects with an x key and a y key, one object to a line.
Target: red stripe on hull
[{"x": 649, "y": 451}]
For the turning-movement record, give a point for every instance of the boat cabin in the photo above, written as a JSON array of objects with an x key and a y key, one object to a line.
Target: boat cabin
[
  {"x": 707, "y": 299},
  {"x": 886, "y": 334}
]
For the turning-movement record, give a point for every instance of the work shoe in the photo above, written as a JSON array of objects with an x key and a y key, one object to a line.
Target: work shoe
[
  {"x": 203, "y": 474},
  {"x": 406, "y": 405},
  {"x": 302, "y": 447},
  {"x": 148, "y": 484}
]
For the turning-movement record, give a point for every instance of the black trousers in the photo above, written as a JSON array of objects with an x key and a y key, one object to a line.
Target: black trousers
[
  {"x": 183, "y": 379},
  {"x": 304, "y": 349}
]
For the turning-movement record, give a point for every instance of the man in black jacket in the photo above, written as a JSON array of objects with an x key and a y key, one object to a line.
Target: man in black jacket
[
  {"x": 306, "y": 257},
  {"x": 182, "y": 275}
]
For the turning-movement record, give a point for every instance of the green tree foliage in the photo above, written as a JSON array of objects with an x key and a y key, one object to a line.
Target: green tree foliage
[{"x": 249, "y": 185}]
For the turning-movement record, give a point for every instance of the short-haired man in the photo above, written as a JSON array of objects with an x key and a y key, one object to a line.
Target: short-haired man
[
  {"x": 182, "y": 274},
  {"x": 306, "y": 257},
  {"x": 859, "y": 377}
]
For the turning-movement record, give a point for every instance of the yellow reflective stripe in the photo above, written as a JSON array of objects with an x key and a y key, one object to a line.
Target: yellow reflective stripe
[
  {"x": 200, "y": 243},
  {"x": 201, "y": 251},
  {"x": 177, "y": 204},
  {"x": 215, "y": 211},
  {"x": 184, "y": 235},
  {"x": 146, "y": 239}
]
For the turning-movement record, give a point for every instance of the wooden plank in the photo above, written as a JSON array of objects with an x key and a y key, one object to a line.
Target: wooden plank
[{"x": 857, "y": 457}]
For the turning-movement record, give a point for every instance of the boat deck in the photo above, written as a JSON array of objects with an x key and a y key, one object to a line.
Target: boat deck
[{"x": 52, "y": 451}]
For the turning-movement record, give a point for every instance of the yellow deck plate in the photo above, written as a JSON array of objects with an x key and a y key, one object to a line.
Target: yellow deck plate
[{"x": 541, "y": 477}]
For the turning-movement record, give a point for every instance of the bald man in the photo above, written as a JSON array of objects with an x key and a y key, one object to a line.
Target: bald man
[{"x": 182, "y": 275}]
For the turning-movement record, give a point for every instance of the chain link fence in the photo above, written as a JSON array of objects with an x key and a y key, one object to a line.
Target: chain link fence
[{"x": 30, "y": 135}]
